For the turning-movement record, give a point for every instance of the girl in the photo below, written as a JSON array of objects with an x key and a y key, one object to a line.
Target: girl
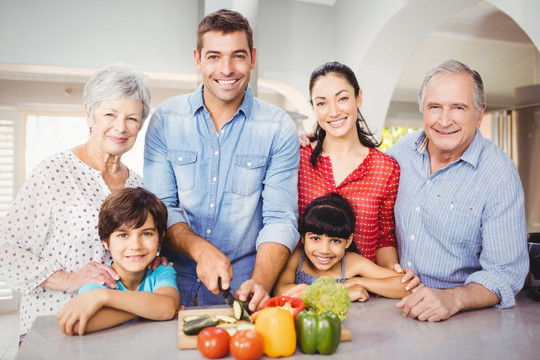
[{"x": 326, "y": 231}]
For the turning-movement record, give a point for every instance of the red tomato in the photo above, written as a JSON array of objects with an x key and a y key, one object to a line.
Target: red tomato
[
  {"x": 213, "y": 342},
  {"x": 246, "y": 345}
]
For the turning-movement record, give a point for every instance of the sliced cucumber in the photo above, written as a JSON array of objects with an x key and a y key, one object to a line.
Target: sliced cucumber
[
  {"x": 191, "y": 317},
  {"x": 226, "y": 318},
  {"x": 195, "y": 326},
  {"x": 231, "y": 330},
  {"x": 238, "y": 309},
  {"x": 245, "y": 326}
]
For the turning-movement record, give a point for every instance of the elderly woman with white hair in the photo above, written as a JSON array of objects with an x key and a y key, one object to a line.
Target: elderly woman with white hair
[{"x": 49, "y": 243}]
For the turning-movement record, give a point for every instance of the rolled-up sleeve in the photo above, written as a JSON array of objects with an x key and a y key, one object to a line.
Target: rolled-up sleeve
[
  {"x": 280, "y": 192},
  {"x": 503, "y": 256}
]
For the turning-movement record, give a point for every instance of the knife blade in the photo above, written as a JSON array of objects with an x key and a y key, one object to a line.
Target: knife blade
[
  {"x": 230, "y": 299},
  {"x": 227, "y": 295}
]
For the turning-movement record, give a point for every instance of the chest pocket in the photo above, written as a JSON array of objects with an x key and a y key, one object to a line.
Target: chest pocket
[
  {"x": 248, "y": 174},
  {"x": 459, "y": 222},
  {"x": 184, "y": 167}
]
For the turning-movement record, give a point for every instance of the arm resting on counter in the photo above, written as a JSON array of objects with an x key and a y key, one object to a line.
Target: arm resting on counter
[
  {"x": 428, "y": 304},
  {"x": 390, "y": 287},
  {"x": 103, "y": 308}
]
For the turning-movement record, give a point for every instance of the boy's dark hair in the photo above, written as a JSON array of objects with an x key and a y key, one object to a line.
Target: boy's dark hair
[
  {"x": 131, "y": 207},
  {"x": 329, "y": 215},
  {"x": 225, "y": 21}
]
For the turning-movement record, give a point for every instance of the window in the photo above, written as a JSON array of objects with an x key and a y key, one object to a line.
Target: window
[
  {"x": 47, "y": 135},
  {"x": 391, "y": 135},
  {"x": 7, "y": 164}
]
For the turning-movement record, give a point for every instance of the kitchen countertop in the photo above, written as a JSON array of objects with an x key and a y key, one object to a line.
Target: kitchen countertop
[{"x": 378, "y": 331}]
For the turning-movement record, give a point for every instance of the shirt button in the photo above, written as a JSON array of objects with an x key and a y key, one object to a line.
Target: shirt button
[
  {"x": 208, "y": 231},
  {"x": 216, "y": 153},
  {"x": 214, "y": 179},
  {"x": 409, "y": 264},
  {"x": 417, "y": 208},
  {"x": 429, "y": 181},
  {"x": 222, "y": 131},
  {"x": 212, "y": 206},
  {"x": 451, "y": 206},
  {"x": 179, "y": 158},
  {"x": 411, "y": 237},
  {"x": 249, "y": 163},
  {"x": 198, "y": 280}
]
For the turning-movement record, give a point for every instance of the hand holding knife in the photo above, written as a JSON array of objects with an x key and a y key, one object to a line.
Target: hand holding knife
[{"x": 240, "y": 306}]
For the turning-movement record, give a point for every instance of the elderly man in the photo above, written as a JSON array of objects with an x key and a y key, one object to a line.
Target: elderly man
[{"x": 460, "y": 220}]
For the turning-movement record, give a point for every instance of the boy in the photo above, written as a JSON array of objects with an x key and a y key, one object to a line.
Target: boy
[{"x": 132, "y": 224}]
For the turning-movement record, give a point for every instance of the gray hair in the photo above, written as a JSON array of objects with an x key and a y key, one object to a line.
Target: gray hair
[
  {"x": 455, "y": 67},
  {"x": 115, "y": 82}
]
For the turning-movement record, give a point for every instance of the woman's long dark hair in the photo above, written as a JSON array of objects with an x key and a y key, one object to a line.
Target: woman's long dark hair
[{"x": 364, "y": 133}]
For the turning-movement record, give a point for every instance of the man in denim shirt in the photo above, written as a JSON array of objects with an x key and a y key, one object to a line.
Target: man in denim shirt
[{"x": 226, "y": 165}]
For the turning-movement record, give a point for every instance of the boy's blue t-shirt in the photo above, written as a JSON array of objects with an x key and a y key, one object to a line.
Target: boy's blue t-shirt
[{"x": 153, "y": 280}]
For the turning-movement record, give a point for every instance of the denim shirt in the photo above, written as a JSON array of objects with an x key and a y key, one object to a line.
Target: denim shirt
[
  {"x": 465, "y": 222},
  {"x": 236, "y": 188}
]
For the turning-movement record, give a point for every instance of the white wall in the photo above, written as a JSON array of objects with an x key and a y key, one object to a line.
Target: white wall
[
  {"x": 157, "y": 35},
  {"x": 374, "y": 37}
]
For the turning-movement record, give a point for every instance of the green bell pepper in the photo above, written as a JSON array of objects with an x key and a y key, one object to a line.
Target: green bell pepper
[{"x": 318, "y": 332}]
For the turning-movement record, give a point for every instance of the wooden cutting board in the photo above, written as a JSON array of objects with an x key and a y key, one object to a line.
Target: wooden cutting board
[{"x": 190, "y": 341}]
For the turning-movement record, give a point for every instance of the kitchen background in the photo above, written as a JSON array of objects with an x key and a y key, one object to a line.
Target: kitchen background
[{"x": 49, "y": 48}]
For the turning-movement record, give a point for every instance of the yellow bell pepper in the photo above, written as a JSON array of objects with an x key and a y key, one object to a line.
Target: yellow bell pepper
[{"x": 276, "y": 325}]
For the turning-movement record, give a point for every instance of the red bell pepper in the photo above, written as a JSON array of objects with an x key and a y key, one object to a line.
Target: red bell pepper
[{"x": 293, "y": 304}]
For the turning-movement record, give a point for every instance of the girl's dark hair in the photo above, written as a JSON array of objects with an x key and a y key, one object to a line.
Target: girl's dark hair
[
  {"x": 329, "y": 215},
  {"x": 364, "y": 133},
  {"x": 131, "y": 207}
]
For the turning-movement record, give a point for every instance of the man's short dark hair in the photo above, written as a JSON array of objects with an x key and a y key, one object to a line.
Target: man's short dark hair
[{"x": 225, "y": 21}]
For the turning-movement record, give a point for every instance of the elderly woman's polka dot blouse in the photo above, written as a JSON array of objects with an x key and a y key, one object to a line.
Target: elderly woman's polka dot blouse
[{"x": 51, "y": 226}]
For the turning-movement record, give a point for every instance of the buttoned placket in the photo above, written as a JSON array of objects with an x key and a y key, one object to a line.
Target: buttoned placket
[
  {"x": 214, "y": 173},
  {"x": 415, "y": 215}
]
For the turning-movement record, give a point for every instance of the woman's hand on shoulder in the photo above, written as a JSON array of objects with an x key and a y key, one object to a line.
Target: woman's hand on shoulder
[
  {"x": 304, "y": 139},
  {"x": 93, "y": 272},
  {"x": 159, "y": 260},
  {"x": 408, "y": 276}
]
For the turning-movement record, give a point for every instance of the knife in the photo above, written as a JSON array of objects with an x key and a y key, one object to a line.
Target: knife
[
  {"x": 230, "y": 300},
  {"x": 227, "y": 295}
]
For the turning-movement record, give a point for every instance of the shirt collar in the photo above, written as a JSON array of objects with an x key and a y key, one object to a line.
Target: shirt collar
[
  {"x": 471, "y": 154},
  {"x": 196, "y": 101}
]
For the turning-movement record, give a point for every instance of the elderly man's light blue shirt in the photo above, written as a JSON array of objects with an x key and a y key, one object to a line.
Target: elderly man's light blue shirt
[
  {"x": 236, "y": 188},
  {"x": 465, "y": 222}
]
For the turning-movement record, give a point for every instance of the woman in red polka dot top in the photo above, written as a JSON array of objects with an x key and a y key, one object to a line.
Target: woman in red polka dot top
[{"x": 343, "y": 158}]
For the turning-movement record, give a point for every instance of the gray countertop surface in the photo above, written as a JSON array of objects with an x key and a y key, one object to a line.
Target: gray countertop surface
[{"x": 377, "y": 327}]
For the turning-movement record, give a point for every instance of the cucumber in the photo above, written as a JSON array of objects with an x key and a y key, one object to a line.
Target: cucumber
[
  {"x": 195, "y": 326},
  {"x": 226, "y": 318},
  {"x": 245, "y": 326},
  {"x": 238, "y": 309},
  {"x": 191, "y": 317}
]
